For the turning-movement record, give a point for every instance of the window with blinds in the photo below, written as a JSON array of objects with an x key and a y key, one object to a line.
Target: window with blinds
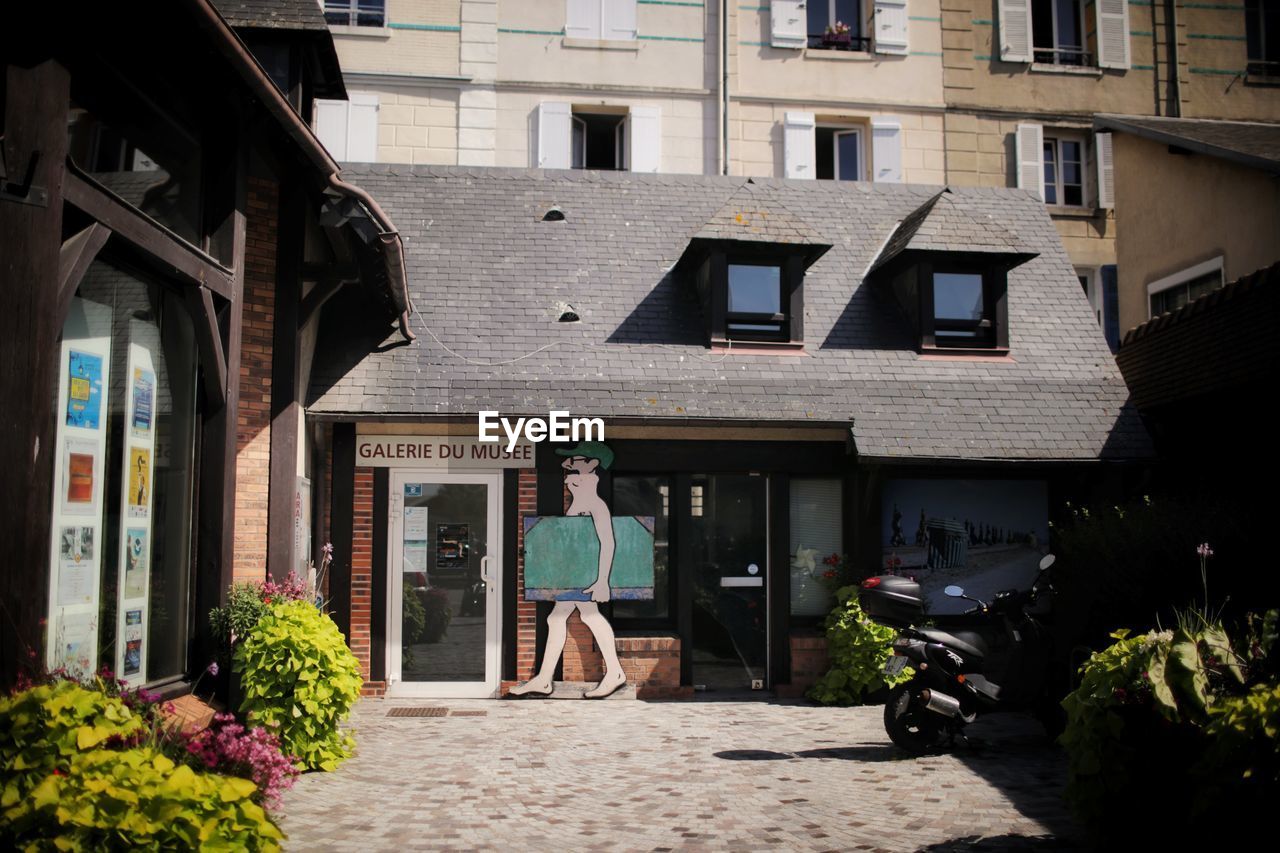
[{"x": 816, "y": 533}]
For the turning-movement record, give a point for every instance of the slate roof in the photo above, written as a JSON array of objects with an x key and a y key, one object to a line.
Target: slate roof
[
  {"x": 272, "y": 14},
  {"x": 487, "y": 274},
  {"x": 1251, "y": 144},
  {"x": 757, "y": 214},
  {"x": 943, "y": 224}
]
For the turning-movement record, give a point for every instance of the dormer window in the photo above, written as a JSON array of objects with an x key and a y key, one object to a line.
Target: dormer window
[
  {"x": 746, "y": 266},
  {"x": 954, "y": 299}
]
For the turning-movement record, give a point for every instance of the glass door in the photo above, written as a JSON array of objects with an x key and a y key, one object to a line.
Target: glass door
[
  {"x": 729, "y": 558},
  {"x": 444, "y": 586}
]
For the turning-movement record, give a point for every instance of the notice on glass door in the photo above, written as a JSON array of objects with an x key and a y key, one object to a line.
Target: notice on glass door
[{"x": 415, "y": 523}]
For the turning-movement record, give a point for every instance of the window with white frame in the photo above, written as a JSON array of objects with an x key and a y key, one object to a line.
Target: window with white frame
[
  {"x": 622, "y": 138},
  {"x": 600, "y": 19},
  {"x": 1057, "y": 31},
  {"x": 349, "y": 129},
  {"x": 836, "y": 25},
  {"x": 1172, "y": 292},
  {"x": 1065, "y": 168},
  {"x": 355, "y": 13},
  {"x": 839, "y": 151},
  {"x": 1061, "y": 32},
  {"x": 1064, "y": 164}
]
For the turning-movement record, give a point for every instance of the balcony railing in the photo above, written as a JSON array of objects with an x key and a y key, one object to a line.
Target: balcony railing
[
  {"x": 1074, "y": 56},
  {"x": 847, "y": 41}
]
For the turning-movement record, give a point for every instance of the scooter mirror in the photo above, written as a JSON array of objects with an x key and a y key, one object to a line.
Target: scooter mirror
[
  {"x": 1047, "y": 561},
  {"x": 954, "y": 591}
]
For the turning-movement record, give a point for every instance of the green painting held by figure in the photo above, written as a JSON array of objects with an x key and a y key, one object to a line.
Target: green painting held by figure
[{"x": 562, "y": 556}]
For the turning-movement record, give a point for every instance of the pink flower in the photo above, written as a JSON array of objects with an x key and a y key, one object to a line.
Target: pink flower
[{"x": 1204, "y": 550}]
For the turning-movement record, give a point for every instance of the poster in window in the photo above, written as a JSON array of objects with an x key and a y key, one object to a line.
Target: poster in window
[
  {"x": 73, "y": 645},
  {"x": 79, "y": 474},
  {"x": 136, "y": 564},
  {"x": 453, "y": 546},
  {"x": 132, "y": 656},
  {"x": 143, "y": 409},
  {"x": 139, "y": 482},
  {"x": 983, "y": 535},
  {"x": 76, "y": 567},
  {"x": 84, "y": 390}
]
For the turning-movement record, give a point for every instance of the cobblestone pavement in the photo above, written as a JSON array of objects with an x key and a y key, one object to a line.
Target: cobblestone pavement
[{"x": 545, "y": 775}]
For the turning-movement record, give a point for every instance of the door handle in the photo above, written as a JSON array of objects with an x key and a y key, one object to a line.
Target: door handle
[{"x": 484, "y": 570}]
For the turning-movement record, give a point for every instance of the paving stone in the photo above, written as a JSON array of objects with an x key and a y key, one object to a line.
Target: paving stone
[{"x": 691, "y": 775}]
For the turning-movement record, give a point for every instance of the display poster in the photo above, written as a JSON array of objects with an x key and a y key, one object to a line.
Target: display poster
[
  {"x": 415, "y": 523},
  {"x": 983, "y": 535},
  {"x": 453, "y": 546},
  {"x": 75, "y": 547},
  {"x": 137, "y": 485},
  {"x": 415, "y": 557}
]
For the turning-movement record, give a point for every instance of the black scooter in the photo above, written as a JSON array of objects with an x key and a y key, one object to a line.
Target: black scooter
[{"x": 995, "y": 656}]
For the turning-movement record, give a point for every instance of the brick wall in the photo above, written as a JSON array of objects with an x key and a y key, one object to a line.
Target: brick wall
[
  {"x": 809, "y": 662},
  {"x": 526, "y": 611},
  {"x": 362, "y": 577},
  {"x": 253, "y": 427}
]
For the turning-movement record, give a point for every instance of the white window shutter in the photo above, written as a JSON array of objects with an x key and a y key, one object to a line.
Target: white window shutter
[
  {"x": 644, "y": 138},
  {"x": 797, "y": 146},
  {"x": 1015, "y": 30},
  {"x": 555, "y": 135},
  {"x": 1113, "y": 33},
  {"x": 619, "y": 19},
  {"x": 890, "y": 26},
  {"x": 1030, "y": 144},
  {"x": 362, "y": 128},
  {"x": 331, "y": 127},
  {"x": 788, "y": 20},
  {"x": 582, "y": 19},
  {"x": 1106, "y": 170},
  {"x": 886, "y": 150}
]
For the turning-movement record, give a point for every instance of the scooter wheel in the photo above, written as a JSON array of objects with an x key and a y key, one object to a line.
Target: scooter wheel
[{"x": 909, "y": 724}]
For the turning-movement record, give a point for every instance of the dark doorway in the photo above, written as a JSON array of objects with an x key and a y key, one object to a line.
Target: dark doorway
[{"x": 729, "y": 557}]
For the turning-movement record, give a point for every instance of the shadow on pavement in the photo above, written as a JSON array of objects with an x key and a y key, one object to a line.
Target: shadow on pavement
[
  {"x": 869, "y": 752},
  {"x": 1000, "y": 843}
]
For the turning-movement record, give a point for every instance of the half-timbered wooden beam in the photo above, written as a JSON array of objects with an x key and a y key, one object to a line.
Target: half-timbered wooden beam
[
  {"x": 168, "y": 249},
  {"x": 78, "y": 251},
  {"x": 209, "y": 343}
]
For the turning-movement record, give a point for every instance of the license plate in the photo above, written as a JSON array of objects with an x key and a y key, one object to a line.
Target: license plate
[{"x": 895, "y": 665}]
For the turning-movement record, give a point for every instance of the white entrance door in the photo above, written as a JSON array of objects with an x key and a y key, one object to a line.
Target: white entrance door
[{"x": 444, "y": 593}]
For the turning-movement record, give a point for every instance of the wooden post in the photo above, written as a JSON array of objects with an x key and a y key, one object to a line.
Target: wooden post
[
  {"x": 286, "y": 406},
  {"x": 30, "y": 245}
]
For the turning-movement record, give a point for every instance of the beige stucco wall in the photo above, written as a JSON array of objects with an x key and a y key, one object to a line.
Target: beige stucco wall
[
  {"x": 1213, "y": 54},
  {"x": 836, "y": 77},
  {"x": 976, "y": 77},
  {"x": 416, "y": 123},
  {"x": 675, "y": 48},
  {"x": 1181, "y": 210},
  {"x": 688, "y": 125},
  {"x": 421, "y": 38}
]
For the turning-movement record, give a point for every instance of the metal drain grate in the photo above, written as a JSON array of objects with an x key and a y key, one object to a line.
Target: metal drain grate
[
  {"x": 469, "y": 714},
  {"x": 418, "y": 712}
]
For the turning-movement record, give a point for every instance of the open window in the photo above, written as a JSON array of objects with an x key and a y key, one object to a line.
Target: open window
[
  {"x": 1064, "y": 32},
  {"x": 836, "y": 25},
  {"x": 355, "y": 13},
  {"x": 1066, "y": 168},
  {"x": 608, "y": 138},
  {"x": 1172, "y": 292},
  {"x": 1058, "y": 32},
  {"x": 832, "y": 149}
]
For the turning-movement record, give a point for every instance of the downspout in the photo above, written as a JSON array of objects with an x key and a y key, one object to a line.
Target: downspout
[
  {"x": 1172, "y": 5},
  {"x": 724, "y": 87},
  {"x": 274, "y": 102}
]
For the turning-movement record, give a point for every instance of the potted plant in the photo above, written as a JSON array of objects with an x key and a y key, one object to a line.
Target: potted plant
[{"x": 838, "y": 36}]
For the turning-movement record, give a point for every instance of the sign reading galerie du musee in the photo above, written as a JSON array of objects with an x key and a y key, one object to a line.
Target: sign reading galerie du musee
[{"x": 445, "y": 452}]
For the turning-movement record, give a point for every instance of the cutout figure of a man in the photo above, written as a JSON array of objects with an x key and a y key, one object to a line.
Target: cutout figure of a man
[{"x": 584, "y": 499}]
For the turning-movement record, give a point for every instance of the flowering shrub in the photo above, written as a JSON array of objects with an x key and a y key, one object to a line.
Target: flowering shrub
[
  {"x": 228, "y": 747},
  {"x": 300, "y": 678},
  {"x": 858, "y": 648}
]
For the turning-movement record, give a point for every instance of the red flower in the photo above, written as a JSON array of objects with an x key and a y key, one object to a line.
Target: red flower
[
  {"x": 829, "y": 575},
  {"x": 59, "y": 772},
  {"x": 833, "y": 560}
]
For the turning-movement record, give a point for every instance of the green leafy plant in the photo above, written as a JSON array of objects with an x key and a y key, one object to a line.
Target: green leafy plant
[
  {"x": 44, "y": 727},
  {"x": 299, "y": 677},
  {"x": 138, "y": 799},
  {"x": 858, "y": 649},
  {"x": 234, "y": 620}
]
